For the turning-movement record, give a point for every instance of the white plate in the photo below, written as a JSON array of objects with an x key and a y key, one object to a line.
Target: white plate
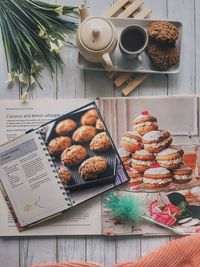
[{"x": 121, "y": 63}]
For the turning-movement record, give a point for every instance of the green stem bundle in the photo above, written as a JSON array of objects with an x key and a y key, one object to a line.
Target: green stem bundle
[{"x": 33, "y": 33}]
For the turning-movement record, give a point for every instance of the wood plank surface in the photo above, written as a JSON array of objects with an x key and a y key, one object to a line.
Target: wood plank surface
[{"x": 21, "y": 252}]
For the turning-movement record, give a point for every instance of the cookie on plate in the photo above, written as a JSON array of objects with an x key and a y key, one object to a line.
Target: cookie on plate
[
  {"x": 57, "y": 145},
  {"x": 136, "y": 177},
  {"x": 65, "y": 127},
  {"x": 64, "y": 175},
  {"x": 145, "y": 123},
  {"x": 73, "y": 155},
  {"x": 91, "y": 168},
  {"x": 157, "y": 177},
  {"x": 90, "y": 117},
  {"x": 163, "y": 31},
  {"x": 99, "y": 125},
  {"x": 100, "y": 142},
  {"x": 169, "y": 158},
  {"x": 182, "y": 175},
  {"x": 131, "y": 141},
  {"x": 163, "y": 56},
  {"x": 125, "y": 157},
  {"x": 84, "y": 134},
  {"x": 156, "y": 141},
  {"x": 142, "y": 160}
]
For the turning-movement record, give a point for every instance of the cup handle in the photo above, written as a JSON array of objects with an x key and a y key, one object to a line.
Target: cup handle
[
  {"x": 140, "y": 59},
  {"x": 107, "y": 63}
]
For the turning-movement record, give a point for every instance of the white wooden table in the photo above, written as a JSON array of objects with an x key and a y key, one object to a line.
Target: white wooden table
[{"x": 22, "y": 252}]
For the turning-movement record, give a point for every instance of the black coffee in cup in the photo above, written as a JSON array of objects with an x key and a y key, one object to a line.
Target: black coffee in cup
[{"x": 133, "y": 39}]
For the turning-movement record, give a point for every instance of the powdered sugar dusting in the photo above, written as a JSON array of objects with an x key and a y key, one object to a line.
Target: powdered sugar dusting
[
  {"x": 134, "y": 133},
  {"x": 152, "y": 136},
  {"x": 167, "y": 151},
  {"x": 122, "y": 152},
  {"x": 132, "y": 170},
  {"x": 143, "y": 152},
  {"x": 159, "y": 170},
  {"x": 141, "y": 116}
]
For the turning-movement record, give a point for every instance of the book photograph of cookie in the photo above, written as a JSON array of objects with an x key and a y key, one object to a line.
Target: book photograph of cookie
[
  {"x": 82, "y": 150},
  {"x": 64, "y": 175},
  {"x": 157, "y": 177},
  {"x": 142, "y": 160},
  {"x": 145, "y": 123},
  {"x": 169, "y": 158},
  {"x": 65, "y": 127},
  {"x": 136, "y": 177},
  {"x": 73, "y": 155},
  {"x": 131, "y": 141},
  {"x": 58, "y": 144},
  {"x": 162, "y": 165},
  {"x": 101, "y": 142},
  {"x": 156, "y": 141},
  {"x": 84, "y": 134},
  {"x": 93, "y": 167}
]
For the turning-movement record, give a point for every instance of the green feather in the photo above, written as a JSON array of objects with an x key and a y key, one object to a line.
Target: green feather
[{"x": 127, "y": 208}]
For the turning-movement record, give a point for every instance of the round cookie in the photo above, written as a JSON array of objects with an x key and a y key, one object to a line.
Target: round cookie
[
  {"x": 156, "y": 141},
  {"x": 99, "y": 125},
  {"x": 57, "y": 145},
  {"x": 145, "y": 123},
  {"x": 65, "y": 127},
  {"x": 84, "y": 134},
  {"x": 182, "y": 175},
  {"x": 163, "y": 56},
  {"x": 100, "y": 142},
  {"x": 64, "y": 175},
  {"x": 90, "y": 117},
  {"x": 163, "y": 31},
  {"x": 135, "y": 177},
  {"x": 157, "y": 177},
  {"x": 142, "y": 160},
  {"x": 125, "y": 157},
  {"x": 169, "y": 158},
  {"x": 131, "y": 141},
  {"x": 92, "y": 167},
  {"x": 73, "y": 155}
]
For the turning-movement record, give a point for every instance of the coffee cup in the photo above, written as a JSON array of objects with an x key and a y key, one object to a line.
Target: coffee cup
[{"x": 133, "y": 41}]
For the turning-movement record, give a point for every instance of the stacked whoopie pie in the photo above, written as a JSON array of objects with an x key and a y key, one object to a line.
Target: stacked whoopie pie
[{"x": 148, "y": 157}]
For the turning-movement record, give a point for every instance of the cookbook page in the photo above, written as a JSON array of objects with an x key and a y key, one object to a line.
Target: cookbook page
[
  {"x": 27, "y": 175},
  {"x": 16, "y": 118}
]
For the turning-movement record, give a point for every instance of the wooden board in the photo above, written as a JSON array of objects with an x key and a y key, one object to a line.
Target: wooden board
[{"x": 124, "y": 9}]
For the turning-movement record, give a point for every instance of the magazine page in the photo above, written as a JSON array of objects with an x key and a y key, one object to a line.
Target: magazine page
[
  {"x": 16, "y": 118},
  {"x": 158, "y": 140}
]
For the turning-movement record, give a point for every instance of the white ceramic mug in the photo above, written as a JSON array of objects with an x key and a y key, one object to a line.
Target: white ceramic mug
[{"x": 133, "y": 41}]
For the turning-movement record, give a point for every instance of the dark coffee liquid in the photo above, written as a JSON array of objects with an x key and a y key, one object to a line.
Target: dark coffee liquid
[{"x": 132, "y": 40}]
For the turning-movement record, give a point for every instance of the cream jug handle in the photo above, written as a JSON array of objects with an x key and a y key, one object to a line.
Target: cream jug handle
[{"x": 107, "y": 63}]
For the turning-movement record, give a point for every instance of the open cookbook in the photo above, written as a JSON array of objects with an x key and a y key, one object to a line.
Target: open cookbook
[
  {"x": 59, "y": 165},
  {"x": 166, "y": 183}
]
